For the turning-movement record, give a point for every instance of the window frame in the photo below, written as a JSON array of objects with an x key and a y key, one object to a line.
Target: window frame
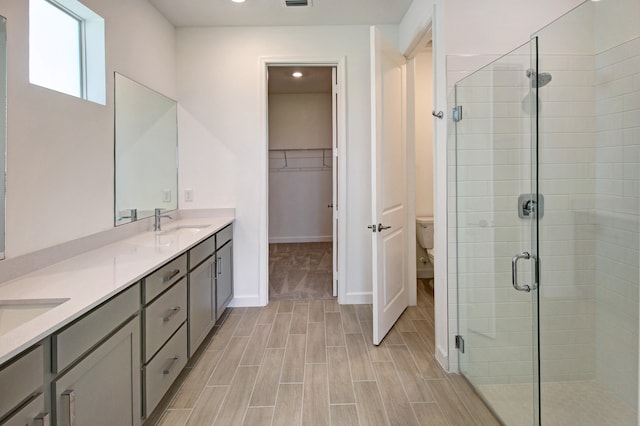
[{"x": 91, "y": 28}]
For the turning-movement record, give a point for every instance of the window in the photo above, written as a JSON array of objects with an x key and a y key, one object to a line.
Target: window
[{"x": 66, "y": 49}]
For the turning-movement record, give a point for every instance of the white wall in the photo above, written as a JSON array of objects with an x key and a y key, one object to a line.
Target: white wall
[
  {"x": 298, "y": 203},
  {"x": 222, "y": 136},
  {"x": 498, "y": 26},
  {"x": 424, "y": 133},
  {"x": 300, "y": 120},
  {"x": 60, "y": 148},
  {"x": 300, "y": 184}
]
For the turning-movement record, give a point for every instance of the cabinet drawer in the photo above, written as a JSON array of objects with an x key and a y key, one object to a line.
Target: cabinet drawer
[
  {"x": 32, "y": 414},
  {"x": 164, "y": 316},
  {"x": 21, "y": 378},
  {"x": 76, "y": 339},
  {"x": 164, "y": 368},
  {"x": 201, "y": 252},
  {"x": 223, "y": 236},
  {"x": 160, "y": 280}
]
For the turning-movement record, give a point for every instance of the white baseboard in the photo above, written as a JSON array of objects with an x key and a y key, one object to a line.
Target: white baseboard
[
  {"x": 443, "y": 359},
  {"x": 365, "y": 298},
  {"x": 316, "y": 239},
  {"x": 245, "y": 301}
]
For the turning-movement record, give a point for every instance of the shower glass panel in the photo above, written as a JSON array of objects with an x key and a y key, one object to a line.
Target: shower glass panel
[
  {"x": 589, "y": 174},
  {"x": 495, "y": 150}
]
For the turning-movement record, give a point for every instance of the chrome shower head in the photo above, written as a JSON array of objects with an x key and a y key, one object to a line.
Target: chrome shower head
[{"x": 541, "y": 79}]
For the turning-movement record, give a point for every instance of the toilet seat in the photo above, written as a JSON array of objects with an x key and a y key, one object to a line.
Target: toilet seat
[{"x": 430, "y": 253}]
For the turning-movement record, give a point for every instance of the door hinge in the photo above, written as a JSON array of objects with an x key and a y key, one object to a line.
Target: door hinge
[
  {"x": 460, "y": 343},
  {"x": 457, "y": 113}
]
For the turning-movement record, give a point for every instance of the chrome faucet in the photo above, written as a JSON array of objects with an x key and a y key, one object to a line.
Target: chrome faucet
[
  {"x": 158, "y": 215},
  {"x": 133, "y": 215}
]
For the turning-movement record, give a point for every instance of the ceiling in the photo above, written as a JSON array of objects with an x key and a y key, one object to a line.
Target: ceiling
[
  {"x": 192, "y": 13},
  {"x": 313, "y": 80}
]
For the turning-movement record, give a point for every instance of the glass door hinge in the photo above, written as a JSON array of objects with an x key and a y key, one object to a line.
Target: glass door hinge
[
  {"x": 460, "y": 343},
  {"x": 457, "y": 113}
]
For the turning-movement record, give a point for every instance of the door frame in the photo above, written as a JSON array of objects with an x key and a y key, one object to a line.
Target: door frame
[
  {"x": 339, "y": 63},
  {"x": 433, "y": 20}
]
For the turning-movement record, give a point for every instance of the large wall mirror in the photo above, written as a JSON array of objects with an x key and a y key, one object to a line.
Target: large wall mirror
[
  {"x": 3, "y": 129},
  {"x": 146, "y": 144}
]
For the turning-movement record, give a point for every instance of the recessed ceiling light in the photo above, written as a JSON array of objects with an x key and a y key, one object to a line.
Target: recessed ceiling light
[
  {"x": 238, "y": 1},
  {"x": 296, "y": 74}
]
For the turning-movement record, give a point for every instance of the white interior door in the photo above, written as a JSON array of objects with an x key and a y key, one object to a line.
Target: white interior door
[
  {"x": 334, "y": 201},
  {"x": 389, "y": 184}
]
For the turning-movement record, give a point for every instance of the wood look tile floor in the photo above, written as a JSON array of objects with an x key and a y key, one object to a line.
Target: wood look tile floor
[{"x": 313, "y": 363}]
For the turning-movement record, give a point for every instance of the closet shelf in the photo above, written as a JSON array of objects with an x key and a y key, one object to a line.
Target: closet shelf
[{"x": 300, "y": 160}]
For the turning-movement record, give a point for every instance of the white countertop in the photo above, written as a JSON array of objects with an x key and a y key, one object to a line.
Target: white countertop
[{"x": 95, "y": 276}]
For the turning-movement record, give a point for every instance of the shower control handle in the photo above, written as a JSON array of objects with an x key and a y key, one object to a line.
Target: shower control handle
[{"x": 514, "y": 271}]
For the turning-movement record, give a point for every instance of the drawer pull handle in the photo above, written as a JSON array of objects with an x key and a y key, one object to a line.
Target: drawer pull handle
[
  {"x": 219, "y": 266},
  {"x": 69, "y": 403},
  {"x": 171, "y": 275},
  {"x": 172, "y": 313},
  {"x": 174, "y": 361},
  {"x": 42, "y": 420}
]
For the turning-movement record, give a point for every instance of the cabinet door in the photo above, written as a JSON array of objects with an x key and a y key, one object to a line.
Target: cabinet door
[
  {"x": 33, "y": 414},
  {"x": 224, "y": 277},
  {"x": 201, "y": 304},
  {"x": 103, "y": 388}
]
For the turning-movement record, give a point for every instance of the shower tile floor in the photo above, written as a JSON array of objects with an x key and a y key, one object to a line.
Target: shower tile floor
[
  {"x": 564, "y": 403},
  {"x": 313, "y": 363}
]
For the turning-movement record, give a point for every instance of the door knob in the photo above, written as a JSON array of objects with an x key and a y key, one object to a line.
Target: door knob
[{"x": 382, "y": 227}]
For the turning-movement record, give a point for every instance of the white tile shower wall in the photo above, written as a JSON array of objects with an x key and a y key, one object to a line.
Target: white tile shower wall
[
  {"x": 616, "y": 220},
  {"x": 566, "y": 178}
]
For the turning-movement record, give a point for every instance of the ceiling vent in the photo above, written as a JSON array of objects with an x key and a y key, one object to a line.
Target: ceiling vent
[{"x": 296, "y": 3}]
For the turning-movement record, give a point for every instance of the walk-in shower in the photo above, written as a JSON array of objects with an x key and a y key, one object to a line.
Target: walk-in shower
[{"x": 565, "y": 352}]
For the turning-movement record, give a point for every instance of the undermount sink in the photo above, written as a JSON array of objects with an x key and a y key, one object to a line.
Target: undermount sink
[
  {"x": 14, "y": 313},
  {"x": 187, "y": 228}
]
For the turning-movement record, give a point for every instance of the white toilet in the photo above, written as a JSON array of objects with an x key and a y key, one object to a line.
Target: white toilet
[{"x": 424, "y": 251}]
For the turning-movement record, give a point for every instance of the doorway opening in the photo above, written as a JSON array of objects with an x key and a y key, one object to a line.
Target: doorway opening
[
  {"x": 424, "y": 166},
  {"x": 302, "y": 182}
]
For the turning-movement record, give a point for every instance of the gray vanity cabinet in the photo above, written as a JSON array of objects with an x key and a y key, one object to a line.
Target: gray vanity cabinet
[
  {"x": 224, "y": 268},
  {"x": 32, "y": 414},
  {"x": 224, "y": 277},
  {"x": 21, "y": 386},
  {"x": 97, "y": 362},
  {"x": 104, "y": 387},
  {"x": 164, "y": 339},
  {"x": 202, "y": 306}
]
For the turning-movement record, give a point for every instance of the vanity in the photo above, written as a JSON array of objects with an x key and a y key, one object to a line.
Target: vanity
[{"x": 106, "y": 333}]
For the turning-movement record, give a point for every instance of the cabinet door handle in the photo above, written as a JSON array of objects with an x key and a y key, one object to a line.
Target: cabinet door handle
[
  {"x": 69, "y": 404},
  {"x": 172, "y": 312},
  {"x": 42, "y": 420},
  {"x": 171, "y": 275},
  {"x": 174, "y": 361},
  {"x": 219, "y": 266}
]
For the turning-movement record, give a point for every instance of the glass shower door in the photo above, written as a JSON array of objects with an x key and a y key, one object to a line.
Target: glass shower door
[{"x": 496, "y": 229}]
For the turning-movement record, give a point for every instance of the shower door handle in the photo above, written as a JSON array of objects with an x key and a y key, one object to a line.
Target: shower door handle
[{"x": 514, "y": 271}]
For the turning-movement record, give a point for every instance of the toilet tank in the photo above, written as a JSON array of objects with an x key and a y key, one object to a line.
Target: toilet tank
[{"x": 424, "y": 231}]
